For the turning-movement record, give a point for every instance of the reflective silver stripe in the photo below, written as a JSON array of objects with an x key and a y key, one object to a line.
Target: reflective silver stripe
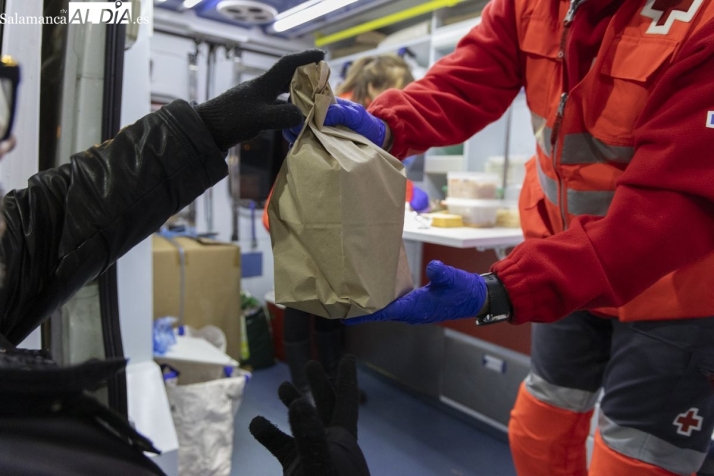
[
  {"x": 547, "y": 184},
  {"x": 542, "y": 133},
  {"x": 572, "y": 399},
  {"x": 579, "y": 202},
  {"x": 589, "y": 202},
  {"x": 583, "y": 148},
  {"x": 648, "y": 448}
]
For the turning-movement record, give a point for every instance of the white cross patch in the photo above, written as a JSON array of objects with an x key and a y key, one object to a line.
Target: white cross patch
[
  {"x": 688, "y": 421},
  {"x": 663, "y": 14}
]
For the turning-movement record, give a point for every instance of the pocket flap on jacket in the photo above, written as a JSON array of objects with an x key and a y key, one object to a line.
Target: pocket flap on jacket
[
  {"x": 538, "y": 41},
  {"x": 636, "y": 58}
]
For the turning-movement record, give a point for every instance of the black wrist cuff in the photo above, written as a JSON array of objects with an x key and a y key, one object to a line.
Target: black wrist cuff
[{"x": 499, "y": 303}]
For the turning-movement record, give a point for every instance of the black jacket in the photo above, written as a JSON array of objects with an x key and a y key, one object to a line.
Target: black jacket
[
  {"x": 63, "y": 230},
  {"x": 74, "y": 221}
]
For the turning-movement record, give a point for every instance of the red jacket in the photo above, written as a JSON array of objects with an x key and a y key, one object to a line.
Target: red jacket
[{"x": 653, "y": 84}]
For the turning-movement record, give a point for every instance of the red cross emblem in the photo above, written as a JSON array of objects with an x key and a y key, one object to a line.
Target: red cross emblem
[
  {"x": 664, "y": 12},
  {"x": 688, "y": 421}
]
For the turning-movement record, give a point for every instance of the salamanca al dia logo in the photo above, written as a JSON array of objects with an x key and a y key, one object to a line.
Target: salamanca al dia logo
[
  {"x": 100, "y": 12},
  {"x": 80, "y": 13}
]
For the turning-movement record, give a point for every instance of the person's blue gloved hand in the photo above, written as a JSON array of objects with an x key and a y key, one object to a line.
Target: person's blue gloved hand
[
  {"x": 354, "y": 116},
  {"x": 420, "y": 200},
  {"x": 351, "y": 115},
  {"x": 450, "y": 294}
]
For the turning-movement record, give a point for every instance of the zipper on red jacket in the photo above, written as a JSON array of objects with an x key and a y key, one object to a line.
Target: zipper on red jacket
[
  {"x": 554, "y": 140},
  {"x": 574, "y": 4}
]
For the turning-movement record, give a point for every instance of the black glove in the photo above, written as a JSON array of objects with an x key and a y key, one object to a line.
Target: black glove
[
  {"x": 325, "y": 436},
  {"x": 242, "y": 112}
]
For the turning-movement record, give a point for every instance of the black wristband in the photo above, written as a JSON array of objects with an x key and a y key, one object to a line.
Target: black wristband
[{"x": 499, "y": 303}]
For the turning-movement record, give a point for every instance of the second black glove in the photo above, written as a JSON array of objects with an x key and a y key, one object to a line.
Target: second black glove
[
  {"x": 324, "y": 441},
  {"x": 242, "y": 112}
]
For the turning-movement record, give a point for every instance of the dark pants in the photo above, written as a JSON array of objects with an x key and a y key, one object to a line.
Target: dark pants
[
  {"x": 298, "y": 348},
  {"x": 296, "y": 325},
  {"x": 658, "y": 399}
]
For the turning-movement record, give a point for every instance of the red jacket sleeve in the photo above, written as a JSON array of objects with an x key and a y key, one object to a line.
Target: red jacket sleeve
[
  {"x": 477, "y": 81},
  {"x": 661, "y": 217}
]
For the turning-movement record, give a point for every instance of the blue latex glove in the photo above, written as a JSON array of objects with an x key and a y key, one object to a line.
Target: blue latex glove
[
  {"x": 451, "y": 294},
  {"x": 351, "y": 115},
  {"x": 291, "y": 134},
  {"x": 420, "y": 200},
  {"x": 163, "y": 334},
  {"x": 354, "y": 116}
]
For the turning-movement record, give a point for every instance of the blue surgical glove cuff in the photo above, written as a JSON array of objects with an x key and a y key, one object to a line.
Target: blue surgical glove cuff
[{"x": 451, "y": 294}]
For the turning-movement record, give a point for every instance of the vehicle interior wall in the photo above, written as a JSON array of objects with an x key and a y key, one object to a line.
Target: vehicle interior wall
[
  {"x": 147, "y": 401},
  {"x": 19, "y": 41},
  {"x": 170, "y": 80}
]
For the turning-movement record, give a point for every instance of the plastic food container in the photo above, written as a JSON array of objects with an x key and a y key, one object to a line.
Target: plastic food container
[
  {"x": 474, "y": 185},
  {"x": 508, "y": 215},
  {"x": 476, "y": 213},
  {"x": 516, "y": 168}
]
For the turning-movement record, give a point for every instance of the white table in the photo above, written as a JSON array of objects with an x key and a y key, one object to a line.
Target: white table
[{"x": 463, "y": 237}]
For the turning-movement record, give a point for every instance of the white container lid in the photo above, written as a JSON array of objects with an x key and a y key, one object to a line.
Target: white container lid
[
  {"x": 471, "y": 202},
  {"x": 512, "y": 159},
  {"x": 474, "y": 176},
  {"x": 509, "y": 203}
]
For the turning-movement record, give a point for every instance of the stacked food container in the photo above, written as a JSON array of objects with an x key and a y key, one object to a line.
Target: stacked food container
[{"x": 473, "y": 196}]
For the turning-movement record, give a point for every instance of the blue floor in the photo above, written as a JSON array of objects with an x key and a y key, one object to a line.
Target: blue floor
[{"x": 399, "y": 433}]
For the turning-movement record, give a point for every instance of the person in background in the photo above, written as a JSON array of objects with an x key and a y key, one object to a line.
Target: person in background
[
  {"x": 618, "y": 213},
  {"x": 366, "y": 78},
  {"x": 370, "y": 76},
  {"x": 68, "y": 226}
]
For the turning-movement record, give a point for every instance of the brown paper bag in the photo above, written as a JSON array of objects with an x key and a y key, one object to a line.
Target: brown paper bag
[{"x": 336, "y": 215}]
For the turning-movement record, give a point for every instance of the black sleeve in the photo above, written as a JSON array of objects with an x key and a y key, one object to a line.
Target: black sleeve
[{"x": 72, "y": 222}]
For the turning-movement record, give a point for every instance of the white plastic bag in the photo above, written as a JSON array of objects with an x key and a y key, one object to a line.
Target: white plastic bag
[
  {"x": 204, "y": 400},
  {"x": 203, "y": 415}
]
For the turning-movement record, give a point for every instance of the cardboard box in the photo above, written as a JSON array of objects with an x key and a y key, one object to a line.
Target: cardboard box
[{"x": 212, "y": 285}]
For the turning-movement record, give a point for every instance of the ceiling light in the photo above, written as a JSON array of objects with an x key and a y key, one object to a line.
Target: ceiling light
[
  {"x": 304, "y": 15},
  {"x": 191, "y": 3},
  {"x": 297, "y": 8}
]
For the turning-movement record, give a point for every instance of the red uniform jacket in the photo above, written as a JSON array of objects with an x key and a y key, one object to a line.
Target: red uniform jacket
[{"x": 642, "y": 75}]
